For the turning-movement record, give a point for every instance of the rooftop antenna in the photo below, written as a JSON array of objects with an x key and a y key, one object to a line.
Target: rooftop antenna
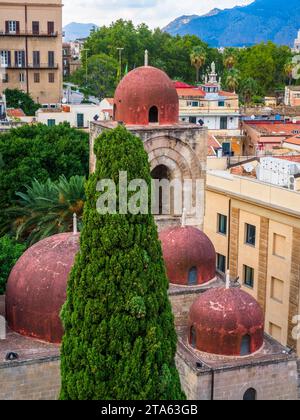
[
  {"x": 75, "y": 227},
  {"x": 228, "y": 279},
  {"x": 183, "y": 218},
  {"x": 146, "y": 58}
]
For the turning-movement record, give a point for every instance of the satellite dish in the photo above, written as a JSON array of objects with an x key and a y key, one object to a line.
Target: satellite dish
[
  {"x": 249, "y": 168},
  {"x": 252, "y": 117},
  {"x": 64, "y": 100}
]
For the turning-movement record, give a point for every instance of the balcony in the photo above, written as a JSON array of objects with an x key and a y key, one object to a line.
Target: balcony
[
  {"x": 29, "y": 34},
  {"x": 31, "y": 66}
]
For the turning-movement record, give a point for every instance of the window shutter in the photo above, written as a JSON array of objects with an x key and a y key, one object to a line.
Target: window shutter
[
  {"x": 6, "y": 26},
  {"x": 23, "y": 58},
  {"x": 9, "y": 58},
  {"x": 16, "y": 59},
  {"x": 18, "y": 27}
]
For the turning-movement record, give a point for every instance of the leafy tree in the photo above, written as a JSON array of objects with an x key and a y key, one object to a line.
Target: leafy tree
[
  {"x": 18, "y": 99},
  {"x": 120, "y": 340},
  {"x": 10, "y": 252},
  {"x": 40, "y": 152},
  {"x": 248, "y": 89},
  {"x": 232, "y": 80},
  {"x": 229, "y": 59},
  {"x": 288, "y": 71},
  {"x": 46, "y": 209},
  {"x": 198, "y": 59}
]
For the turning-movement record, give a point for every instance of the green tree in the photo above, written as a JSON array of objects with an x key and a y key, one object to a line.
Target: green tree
[
  {"x": 40, "y": 152},
  {"x": 17, "y": 99},
  {"x": 46, "y": 209},
  {"x": 10, "y": 252},
  {"x": 198, "y": 59},
  {"x": 288, "y": 71},
  {"x": 232, "y": 80},
  {"x": 248, "y": 89},
  {"x": 120, "y": 339}
]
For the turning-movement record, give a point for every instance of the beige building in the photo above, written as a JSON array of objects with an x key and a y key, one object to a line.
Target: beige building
[
  {"x": 255, "y": 227},
  {"x": 31, "y": 48}
]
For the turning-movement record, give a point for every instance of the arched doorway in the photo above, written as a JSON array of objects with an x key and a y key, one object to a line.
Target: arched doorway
[
  {"x": 193, "y": 276},
  {"x": 193, "y": 337},
  {"x": 250, "y": 395},
  {"x": 153, "y": 115},
  {"x": 160, "y": 173}
]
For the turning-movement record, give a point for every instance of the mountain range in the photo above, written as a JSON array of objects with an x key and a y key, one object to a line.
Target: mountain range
[
  {"x": 260, "y": 21},
  {"x": 75, "y": 30}
]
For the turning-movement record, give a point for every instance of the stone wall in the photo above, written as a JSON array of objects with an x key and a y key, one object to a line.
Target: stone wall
[{"x": 38, "y": 380}]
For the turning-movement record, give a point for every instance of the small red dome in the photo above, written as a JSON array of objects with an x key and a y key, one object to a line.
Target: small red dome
[
  {"x": 189, "y": 255},
  {"x": 228, "y": 322},
  {"x": 146, "y": 95},
  {"x": 36, "y": 288}
]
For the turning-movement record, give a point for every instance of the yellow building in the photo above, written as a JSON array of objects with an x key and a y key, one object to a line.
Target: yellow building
[
  {"x": 31, "y": 48},
  {"x": 255, "y": 228}
]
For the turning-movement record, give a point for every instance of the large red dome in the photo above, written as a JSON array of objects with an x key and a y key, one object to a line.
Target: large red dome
[
  {"x": 146, "y": 95},
  {"x": 189, "y": 255},
  {"x": 36, "y": 288},
  {"x": 228, "y": 322}
]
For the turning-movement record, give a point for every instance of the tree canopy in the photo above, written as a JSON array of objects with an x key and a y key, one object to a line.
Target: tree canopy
[{"x": 17, "y": 99}]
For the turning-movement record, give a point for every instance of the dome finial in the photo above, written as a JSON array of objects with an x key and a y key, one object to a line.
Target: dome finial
[
  {"x": 228, "y": 279},
  {"x": 75, "y": 227},
  {"x": 183, "y": 218},
  {"x": 146, "y": 58}
]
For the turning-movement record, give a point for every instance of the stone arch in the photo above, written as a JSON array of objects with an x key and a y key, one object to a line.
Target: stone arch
[{"x": 2, "y": 328}]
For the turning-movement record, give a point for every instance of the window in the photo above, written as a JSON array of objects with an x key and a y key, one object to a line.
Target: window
[
  {"x": 12, "y": 27},
  {"x": 22, "y": 77},
  {"x": 277, "y": 289},
  {"x": 248, "y": 276},
  {"x": 223, "y": 123},
  {"x": 221, "y": 263},
  {"x": 51, "y": 59},
  {"x": 80, "y": 120},
  {"x": 51, "y": 78},
  {"x": 5, "y": 78},
  {"x": 221, "y": 103},
  {"x": 250, "y": 395},
  {"x": 193, "y": 337},
  {"x": 36, "y": 77},
  {"x": 246, "y": 345},
  {"x": 250, "y": 234},
  {"x": 50, "y": 28},
  {"x": 20, "y": 59},
  {"x": 5, "y": 58},
  {"x": 153, "y": 115},
  {"x": 193, "y": 103},
  {"x": 36, "y": 59},
  {"x": 193, "y": 277},
  {"x": 51, "y": 123},
  {"x": 193, "y": 120},
  {"x": 279, "y": 245},
  {"x": 222, "y": 224},
  {"x": 35, "y": 28}
]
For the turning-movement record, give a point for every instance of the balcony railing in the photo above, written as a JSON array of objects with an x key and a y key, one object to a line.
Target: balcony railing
[
  {"x": 31, "y": 66},
  {"x": 32, "y": 34}
]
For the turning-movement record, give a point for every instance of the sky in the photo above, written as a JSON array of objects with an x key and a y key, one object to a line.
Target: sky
[{"x": 153, "y": 12}]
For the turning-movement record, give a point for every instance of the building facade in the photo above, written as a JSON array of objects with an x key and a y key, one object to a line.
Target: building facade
[
  {"x": 31, "y": 48},
  {"x": 255, "y": 228}
]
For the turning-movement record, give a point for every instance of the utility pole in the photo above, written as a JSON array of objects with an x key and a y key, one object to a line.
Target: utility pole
[{"x": 120, "y": 61}]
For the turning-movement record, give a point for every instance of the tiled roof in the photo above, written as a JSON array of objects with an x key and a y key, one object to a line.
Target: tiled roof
[
  {"x": 188, "y": 92},
  {"x": 15, "y": 113},
  {"x": 182, "y": 85},
  {"x": 293, "y": 140},
  {"x": 274, "y": 127}
]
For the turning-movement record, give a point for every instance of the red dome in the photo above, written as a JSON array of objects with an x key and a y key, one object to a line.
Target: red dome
[
  {"x": 36, "y": 288},
  {"x": 229, "y": 322},
  {"x": 146, "y": 95},
  {"x": 189, "y": 255}
]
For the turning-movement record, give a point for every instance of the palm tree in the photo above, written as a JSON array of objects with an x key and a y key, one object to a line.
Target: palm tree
[
  {"x": 47, "y": 208},
  {"x": 198, "y": 58},
  {"x": 229, "y": 59},
  {"x": 249, "y": 87},
  {"x": 288, "y": 71},
  {"x": 232, "y": 80}
]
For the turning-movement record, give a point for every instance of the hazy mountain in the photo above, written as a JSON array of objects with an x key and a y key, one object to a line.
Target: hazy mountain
[
  {"x": 262, "y": 20},
  {"x": 77, "y": 30}
]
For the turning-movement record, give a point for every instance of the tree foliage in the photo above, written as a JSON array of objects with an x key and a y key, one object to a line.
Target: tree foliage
[
  {"x": 17, "y": 99},
  {"x": 120, "y": 339},
  {"x": 46, "y": 209},
  {"x": 10, "y": 252},
  {"x": 39, "y": 152}
]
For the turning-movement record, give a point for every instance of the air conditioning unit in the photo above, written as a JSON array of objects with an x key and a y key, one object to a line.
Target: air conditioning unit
[{"x": 291, "y": 184}]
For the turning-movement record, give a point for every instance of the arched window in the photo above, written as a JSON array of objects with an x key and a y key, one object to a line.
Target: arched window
[
  {"x": 246, "y": 345},
  {"x": 153, "y": 115},
  {"x": 160, "y": 173},
  {"x": 193, "y": 337},
  {"x": 250, "y": 395},
  {"x": 193, "y": 277}
]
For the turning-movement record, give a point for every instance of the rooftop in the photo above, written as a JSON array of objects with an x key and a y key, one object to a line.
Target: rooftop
[{"x": 274, "y": 127}]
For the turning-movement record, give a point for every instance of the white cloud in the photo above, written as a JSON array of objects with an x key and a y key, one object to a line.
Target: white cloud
[{"x": 153, "y": 12}]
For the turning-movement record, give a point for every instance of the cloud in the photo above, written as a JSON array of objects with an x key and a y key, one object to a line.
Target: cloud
[{"x": 154, "y": 12}]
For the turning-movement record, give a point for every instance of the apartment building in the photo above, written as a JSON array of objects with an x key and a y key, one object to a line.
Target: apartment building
[
  {"x": 255, "y": 228},
  {"x": 31, "y": 48}
]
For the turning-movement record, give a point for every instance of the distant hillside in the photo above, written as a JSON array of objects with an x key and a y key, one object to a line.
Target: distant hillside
[
  {"x": 262, "y": 20},
  {"x": 77, "y": 30}
]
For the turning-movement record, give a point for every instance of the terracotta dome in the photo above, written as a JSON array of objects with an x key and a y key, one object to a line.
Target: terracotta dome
[
  {"x": 189, "y": 255},
  {"x": 227, "y": 322},
  {"x": 146, "y": 95},
  {"x": 36, "y": 288}
]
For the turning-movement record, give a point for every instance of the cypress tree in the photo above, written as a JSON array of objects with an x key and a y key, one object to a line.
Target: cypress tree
[{"x": 120, "y": 340}]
